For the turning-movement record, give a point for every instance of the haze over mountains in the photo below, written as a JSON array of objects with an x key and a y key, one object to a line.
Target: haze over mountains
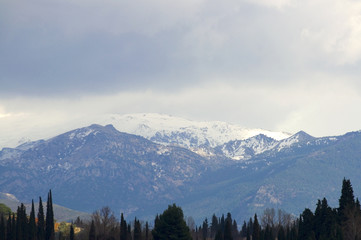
[{"x": 206, "y": 167}]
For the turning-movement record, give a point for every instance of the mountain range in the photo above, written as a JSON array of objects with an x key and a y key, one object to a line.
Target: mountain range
[{"x": 205, "y": 167}]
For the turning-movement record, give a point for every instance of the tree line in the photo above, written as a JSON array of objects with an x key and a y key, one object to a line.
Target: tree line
[
  {"x": 19, "y": 226},
  {"x": 341, "y": 223}
]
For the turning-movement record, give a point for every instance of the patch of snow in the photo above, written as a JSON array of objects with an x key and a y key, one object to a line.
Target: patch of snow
[
  {"x": 288, "y": 142},
  {"x": 184, "y": 132}
]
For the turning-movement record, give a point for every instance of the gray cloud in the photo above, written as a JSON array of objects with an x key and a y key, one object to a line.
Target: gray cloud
[
  {"x": 277, "y": 64},
  {"x": 89, "y": 46}
]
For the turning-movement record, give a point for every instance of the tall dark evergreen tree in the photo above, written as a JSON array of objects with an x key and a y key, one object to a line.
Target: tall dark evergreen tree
[
  {"x": 306, "y": 225},
  {"x": 9, "y": 228},
  {"x": 205, "y": 229},
  {"x": 92, "y": 235},
  {"x": 219, "y": 235},
  {"x": 32, "y": 224},
  {"x": 49, "y": 221},
  {"x": 146, "y": 231},
  {"x": 171, "y": 225},
  {"x": 214, "y": 225},
  {"x": 281, "y": 235},
  {"x": 129, "y": 232},
  {"x": 244, "y": 230},
  {"x": 227, "y": 233},
  {"x": 2, "y": 228},
  {"x": 235, "y": 232},
  {"x": 123, "y": 228},
  {"x": 21, "y": 223},
  {"x": 137, "y": 230},
  {"x": 256, "y": 229},
  {"x": 41, "y": 221},
  {"x": 13, "y": 227},
  {"x": 71, "y": 234},
  {"x": 347, "y": 198}
]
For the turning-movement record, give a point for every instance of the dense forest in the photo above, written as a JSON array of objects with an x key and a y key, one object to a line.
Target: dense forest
[{"x": 342, "y": 223}]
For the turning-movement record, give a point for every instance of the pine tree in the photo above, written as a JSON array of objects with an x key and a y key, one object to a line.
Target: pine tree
[
  {"x": 92, "y": 231},
  {"x": 347, "y": 198},
  {"x": 49, "y": 224},
  {"x": 171, "y": 225},
  {"x": 41, "y": 222},
  {"x": 32, "y": 224}
]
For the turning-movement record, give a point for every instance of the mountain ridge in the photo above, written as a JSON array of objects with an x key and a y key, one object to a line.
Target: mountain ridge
[{"x": 94, "y": 166}]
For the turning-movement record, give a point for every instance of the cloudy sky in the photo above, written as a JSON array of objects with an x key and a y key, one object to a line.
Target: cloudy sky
[{"x": 282, "y": 65}]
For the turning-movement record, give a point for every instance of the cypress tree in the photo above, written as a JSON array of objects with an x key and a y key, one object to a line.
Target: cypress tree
[
  {"x": 9, "y": 228},
  {"x": 281, "y": 234},
  {"x": 49, "y": 221},
  {"x": 306, "y": 225},
  {"x": 123, "y": 228},
  {"x": 129, "y": 232},
  {"x": 41, "y": 222},
  {"x": 92, "y": 231},
  {"x": 227, "y": 234},
  {"x": 13, "y": 227},
  {"x": 205, "y": 229},
  {"x": 32, "y": 224},
  {"x": 214, "y": 225},
  {"x": 235, "y": 232},
  {"x": 137, "y": 231},
  {"x": 267, "y": 233},
  {"x": 219, "y": 235},
  {"x": 256, "y": 229},
  {"x": 146, "y": 231},
  {"x": 71, "y": 235},
  {"x": 244, "y": 230},
  {"x": 2, "y": 228},
  {"x": 21, "y": 223}
]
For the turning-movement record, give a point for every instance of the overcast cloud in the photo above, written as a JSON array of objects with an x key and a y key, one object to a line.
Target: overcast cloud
[{"x": 282, "y": 65}]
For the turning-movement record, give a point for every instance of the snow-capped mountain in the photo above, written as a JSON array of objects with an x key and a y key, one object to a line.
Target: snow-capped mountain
[
  {"x": 94, "y": 166},
  {"x": 248, "y": 148},
  {"x": 166, "y": 129}
]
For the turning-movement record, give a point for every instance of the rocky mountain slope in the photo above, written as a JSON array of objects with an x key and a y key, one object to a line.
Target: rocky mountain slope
[{"x": 91, "y": 167}]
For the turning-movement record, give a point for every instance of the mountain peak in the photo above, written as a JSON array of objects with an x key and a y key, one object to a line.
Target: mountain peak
[
  {"x": 166, "y": 129},
  {"x": 302, "y": 136}
]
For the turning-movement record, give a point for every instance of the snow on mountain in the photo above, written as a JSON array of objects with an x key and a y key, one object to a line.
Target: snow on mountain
[
  {"x": 246, "y": 149},
  {"x": 299, "y": 137},
  {"x": 166, "y": 129}
]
